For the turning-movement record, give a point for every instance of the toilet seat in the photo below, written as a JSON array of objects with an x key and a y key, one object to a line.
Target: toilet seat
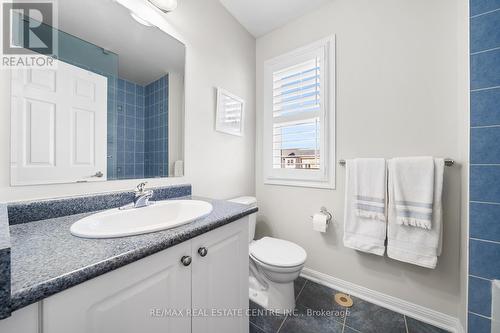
[{"x": 277, "y": 252}]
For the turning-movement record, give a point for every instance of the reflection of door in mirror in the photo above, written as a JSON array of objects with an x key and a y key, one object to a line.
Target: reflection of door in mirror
[{"x": 58, "y": 125}]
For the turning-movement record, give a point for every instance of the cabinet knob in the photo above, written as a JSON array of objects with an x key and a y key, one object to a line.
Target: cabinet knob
[
  {"x": 202, "y": 251},
  {"x": 186, "y": 260}
]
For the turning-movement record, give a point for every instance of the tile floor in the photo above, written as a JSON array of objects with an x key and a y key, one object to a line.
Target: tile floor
[{"x": 312, "y": 298}]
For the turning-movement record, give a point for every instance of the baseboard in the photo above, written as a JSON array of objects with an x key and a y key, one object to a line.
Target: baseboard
[{"x": 418, "y": 312}]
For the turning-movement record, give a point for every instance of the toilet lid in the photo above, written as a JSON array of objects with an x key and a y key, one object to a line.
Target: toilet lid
[{"x": 277, "y": 252}]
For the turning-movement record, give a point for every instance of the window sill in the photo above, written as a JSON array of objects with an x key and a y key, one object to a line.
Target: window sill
[{"x": 326, "y": 185}]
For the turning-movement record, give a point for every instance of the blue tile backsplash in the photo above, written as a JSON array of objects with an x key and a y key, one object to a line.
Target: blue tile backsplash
[{"x": 484, "y": 231}]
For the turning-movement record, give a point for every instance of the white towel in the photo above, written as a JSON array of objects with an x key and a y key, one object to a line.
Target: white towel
[
  {"x": 413, "y": 190},
  {"x": 413, "y": 245},
  {"x": 370, "y": 188},
  {"x": 360, "y": 233}
]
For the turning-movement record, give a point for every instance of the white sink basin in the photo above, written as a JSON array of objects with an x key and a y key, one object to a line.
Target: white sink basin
[{"x": 134, "y": 221}]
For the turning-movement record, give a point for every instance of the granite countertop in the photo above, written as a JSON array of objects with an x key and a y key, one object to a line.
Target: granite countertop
[{"x": 46, "y": 258}]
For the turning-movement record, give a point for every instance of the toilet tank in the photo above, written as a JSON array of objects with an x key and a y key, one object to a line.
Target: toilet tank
[{"x": 249, "y": 201}]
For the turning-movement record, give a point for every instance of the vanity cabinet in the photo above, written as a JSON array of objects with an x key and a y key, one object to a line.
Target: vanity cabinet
[
  {"x": 199, "y": 286},
  {"x": 220, "y": 280},
  {"x": 133, "y": 298}
]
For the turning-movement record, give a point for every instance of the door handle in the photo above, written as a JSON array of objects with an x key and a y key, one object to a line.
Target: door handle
[
  {"x": 202, "y": 251},
  {"x": 186, "y": 260}
]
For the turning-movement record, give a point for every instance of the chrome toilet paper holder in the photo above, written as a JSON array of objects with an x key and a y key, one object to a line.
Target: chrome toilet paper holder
[{"x": 329, "y": 216}]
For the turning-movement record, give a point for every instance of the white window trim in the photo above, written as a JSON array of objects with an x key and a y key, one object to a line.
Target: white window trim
[{"x": 325, "y": 177}]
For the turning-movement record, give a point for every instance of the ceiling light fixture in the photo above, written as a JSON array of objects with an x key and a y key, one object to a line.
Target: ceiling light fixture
[{"x": 164, "y": 5}]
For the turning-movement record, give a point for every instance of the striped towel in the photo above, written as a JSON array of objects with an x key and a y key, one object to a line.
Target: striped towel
[
  {"x": 416, "y": 246},
  {"x": 370, "y": 188},
  {"x": 414, "y": 191},
  {"x": 363, "y": 233}
]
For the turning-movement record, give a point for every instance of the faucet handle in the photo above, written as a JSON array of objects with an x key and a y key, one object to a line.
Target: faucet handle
[{"x": 140, "y": 187}]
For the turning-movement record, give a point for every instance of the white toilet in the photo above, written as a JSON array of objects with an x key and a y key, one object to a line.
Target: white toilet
[{"x": 274, "y": 265}]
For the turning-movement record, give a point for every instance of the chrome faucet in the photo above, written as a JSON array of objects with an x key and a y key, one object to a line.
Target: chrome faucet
[{"x": 142, "y": 196}]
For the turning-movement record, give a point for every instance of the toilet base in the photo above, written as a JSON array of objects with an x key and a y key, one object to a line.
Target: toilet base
[{"x": 278, "y": 297}]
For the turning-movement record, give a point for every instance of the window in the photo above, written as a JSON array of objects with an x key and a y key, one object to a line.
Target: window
[{"x": 299, "y": 117}]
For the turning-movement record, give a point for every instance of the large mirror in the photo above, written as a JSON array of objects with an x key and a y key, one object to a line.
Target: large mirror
[{"x": 112, "y": 108}]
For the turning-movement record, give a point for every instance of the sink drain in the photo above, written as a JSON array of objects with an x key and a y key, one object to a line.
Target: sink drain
[{"x": 343, "y": 300}]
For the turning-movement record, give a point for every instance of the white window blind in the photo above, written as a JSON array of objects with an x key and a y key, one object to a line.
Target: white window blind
[
  {"x": 299, "y": 117},
  {"x": 296, "y": 122}
]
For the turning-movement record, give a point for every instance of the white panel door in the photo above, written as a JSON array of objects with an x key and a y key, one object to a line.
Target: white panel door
[
  {"x": 220, "y": 279},
  {"x": 58, "y": 125},
  {"x": 152, "y": 295}
]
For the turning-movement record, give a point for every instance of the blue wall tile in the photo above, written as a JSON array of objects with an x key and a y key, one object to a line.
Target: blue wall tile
[
  {"x": 130, "y": 122},
  {"x": 141, "y": 129},
  {"x": 139, "y": 147},
  {"x": 130, "y": 145},
  {"x": 139, "y": 90},
  {"x": 120, "y": 158},
  {"x": 129, "y": 171},
  {"x": 130, "y": 87},
  {"x": 484, "y": 221},
  {"x": 484, "y": 145},
  {"x": 482, "y": 6},
  {"x": 130, "y": 132},
  {"x": 129, "y": 157},
  {"x": 485, "y": 183},
  {"x": 485, "y": 32},
  {"x": 120, "y": 120},
  {"x": 485, "y": 70},
  {"x": 120, "y": 97},
  {"x": 484, "y": 259},
  {"x": 480, "y": 296},
  {"x": 119, "y": 172},
  {"x": 485, "y": 108},
  {"x": 478, "y": 324},
  {"x": 155, "y": 137}
]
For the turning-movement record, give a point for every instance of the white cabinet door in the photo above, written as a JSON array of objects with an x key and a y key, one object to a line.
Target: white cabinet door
[
  {"x": 24, "y": 320},
  {"x": 58, "y": 125},
  {"x": 220, "y": 279},
  {"x": 136, "y": 298}
]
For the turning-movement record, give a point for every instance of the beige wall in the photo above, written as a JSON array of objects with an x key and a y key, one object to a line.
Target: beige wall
[
  {"x": 220, "y": 52},
  {"x": 399, "y": 93}
]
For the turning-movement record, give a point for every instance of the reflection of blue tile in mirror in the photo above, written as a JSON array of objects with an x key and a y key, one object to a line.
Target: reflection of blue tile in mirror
[{"x": 142, "y": 133}]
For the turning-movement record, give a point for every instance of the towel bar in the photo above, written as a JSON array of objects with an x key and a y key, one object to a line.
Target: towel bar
[{"x": 447, "y": 161}]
